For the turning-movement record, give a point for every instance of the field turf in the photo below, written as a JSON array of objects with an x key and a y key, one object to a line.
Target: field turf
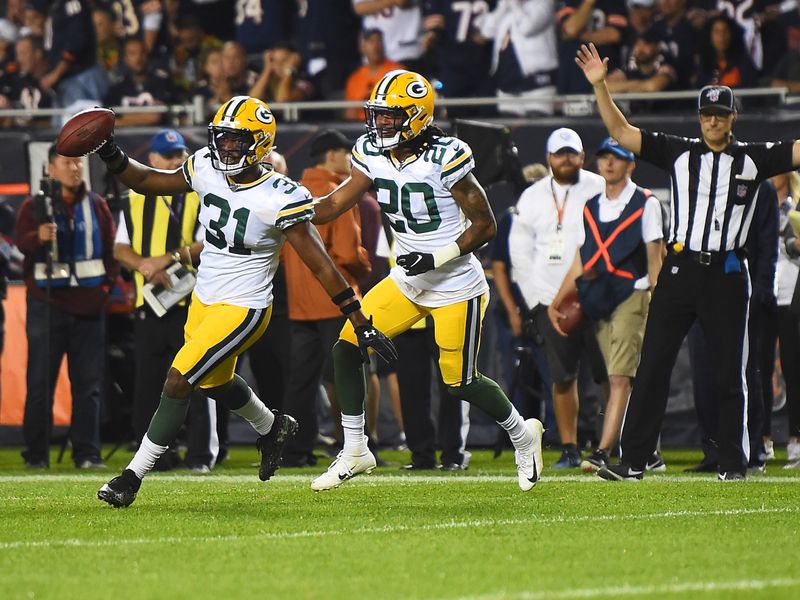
[{"x": 392, "y": 535}]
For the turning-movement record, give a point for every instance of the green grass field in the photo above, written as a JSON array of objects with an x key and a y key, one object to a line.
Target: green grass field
[{"x": 391, "y": 535}]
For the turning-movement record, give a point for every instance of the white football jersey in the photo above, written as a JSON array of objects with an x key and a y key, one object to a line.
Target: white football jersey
[
  {"x": 415, "y": 197},
  {"x": 244, "y": 231}
]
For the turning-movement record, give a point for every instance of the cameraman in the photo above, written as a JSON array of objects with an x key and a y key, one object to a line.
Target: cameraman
[{"x": 65, "y": 308}]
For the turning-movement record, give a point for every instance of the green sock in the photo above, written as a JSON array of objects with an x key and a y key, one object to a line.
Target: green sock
[
  {"x": 351, "y": 383},
  {"x": 167, "y": 420},
  {"x": 486, "y": 395},
  {"x": 232, "y": 395}
]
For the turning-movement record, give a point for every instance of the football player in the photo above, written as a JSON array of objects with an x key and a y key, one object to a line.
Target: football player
[
  {"x": 247, "y": 210},
  {"x": 440, "y": 215}
]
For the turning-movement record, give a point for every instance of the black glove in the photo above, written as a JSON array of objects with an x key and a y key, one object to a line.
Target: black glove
[
  {"x": 416, "y": 263},
  {"x": 369, "y": 337},
  {"x": 111, "y": 154}
]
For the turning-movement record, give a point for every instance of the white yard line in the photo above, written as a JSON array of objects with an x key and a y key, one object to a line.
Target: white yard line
[
  {"x": 398, "y": 479},
  {"x": 447, "y": 525},
  {"x": 646, "y": 590}
]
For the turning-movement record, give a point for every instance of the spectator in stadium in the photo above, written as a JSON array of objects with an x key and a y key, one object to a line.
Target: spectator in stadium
[
  {"x": 647, "y": 70},
  {"x": 613, "y": 271},
  {"x": 21, "y": 89},
  {"x": 463, "y": 55},
  {"x": 109, "y": 48},
  {"x": 787, "y": 72},
  {"x": 215, "y": 17},
  {"x": 213, "y": 85},
  {"x": 142, "y": 86},
  {"x": 72, "y": 54},
  {"x": 154, "y": 234},
  {"x": 8, "y": 35},
  {"x": 34, "y": 18},
  {"x": 282, "y": 78},
  {"x": 601, "y": 22},
  {"x": 677, "y": 39},
  {"x": 400, "y": 22},
  {"x": 261, "y": 24},
  {"x": 234, "y": 68},
  {"x": 361, "y": 82},
  {"x": 192, "y": 42},
  {"x": 330, "y": 44},
  {"x": 524, "y": 55},
  {"x": 315, "y": 321},
  {"x": 545, "y": 234},
  {"x": 641, "y": 15},
  {"x": 71, "y": 302},
  {"x": 787, "y": 186},
  {"x": 723, "y": 58}
]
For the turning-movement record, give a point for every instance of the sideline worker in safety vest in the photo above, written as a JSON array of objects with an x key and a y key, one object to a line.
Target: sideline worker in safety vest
[
  {"x": 154, "y": 233},
  {"x": 614, "y": 271}
]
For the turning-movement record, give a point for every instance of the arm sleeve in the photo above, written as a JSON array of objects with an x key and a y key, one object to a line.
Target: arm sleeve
[
  {"x": 358, "y": 160},
  {"x": 26, "y": 235},
  {"x": 521, "y": 240},
  {"x": 458, "y": 161},
  {"x": 762, "y": 243},
  {"x": 771, "y": 159},
  {"x": 652, "y": 223},
  {"x": 299, "y": 207},
  {"x": 661, "y": 149}
]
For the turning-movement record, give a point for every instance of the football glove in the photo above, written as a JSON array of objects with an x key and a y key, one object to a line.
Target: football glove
[
  {"x": 111, "y": 154},
  {"x": 369, "y": 337},
  {"x": 416, "y": 263}
]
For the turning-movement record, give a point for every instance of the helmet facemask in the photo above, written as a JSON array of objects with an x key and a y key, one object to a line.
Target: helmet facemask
[
  {"x": 387, "y": 127},
  {"x": 232, "y": 150}
]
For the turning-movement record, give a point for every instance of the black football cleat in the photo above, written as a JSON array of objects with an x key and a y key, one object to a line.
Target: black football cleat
[
  {"x": 120, "y": 491},
  {"x": 620, "y": 472},
  {"x": 271, "y": 445}
]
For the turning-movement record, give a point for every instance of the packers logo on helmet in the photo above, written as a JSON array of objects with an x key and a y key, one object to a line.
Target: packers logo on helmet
[
  {"x": 241, "y": 134},
  {"x": 399, "y": 109}
]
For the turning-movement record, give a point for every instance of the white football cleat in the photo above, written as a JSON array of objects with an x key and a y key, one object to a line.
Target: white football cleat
[
  {"x": 529, "y": 460},
  {"x": 344, "y": 467}
]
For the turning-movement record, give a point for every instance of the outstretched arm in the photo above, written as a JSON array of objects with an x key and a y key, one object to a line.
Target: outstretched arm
[
  {"x": 305, "y": 239},
  {"x": 471, "y": 199},
  {"x": 139, "y": 177},
  {"x": 343, "y": 198},
  {"x": 595, "y": 70}
]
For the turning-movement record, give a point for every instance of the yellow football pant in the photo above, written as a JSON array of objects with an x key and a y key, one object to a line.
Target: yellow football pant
[
  {"x": 214, "y": 337},
  {"x": 457, "y": 327}
]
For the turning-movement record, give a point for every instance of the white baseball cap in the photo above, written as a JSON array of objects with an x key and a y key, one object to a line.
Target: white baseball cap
[{"x": 564, "y": 138}]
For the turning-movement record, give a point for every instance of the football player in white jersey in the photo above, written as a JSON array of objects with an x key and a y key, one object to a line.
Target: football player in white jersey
[
  {"x": 247, "y": 210},
  {"x": 440, "y": 215}
]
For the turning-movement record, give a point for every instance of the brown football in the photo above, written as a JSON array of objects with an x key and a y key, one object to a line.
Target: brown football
[
  {"x": 85, "y": 132},
  {"x": 570, "y": 307}
]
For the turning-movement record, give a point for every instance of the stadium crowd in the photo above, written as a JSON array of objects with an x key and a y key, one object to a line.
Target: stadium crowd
[{"x": 60, "y": 53}]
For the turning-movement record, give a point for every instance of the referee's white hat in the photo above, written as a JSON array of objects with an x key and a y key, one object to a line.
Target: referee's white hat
[{"x": 564, "y": 139}]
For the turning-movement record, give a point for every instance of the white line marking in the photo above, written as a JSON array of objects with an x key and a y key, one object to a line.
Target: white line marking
[
  {"x": 394, "y": 479},
  {"x": 647, "y": 590},
  {"x": 288, "y": 535}
]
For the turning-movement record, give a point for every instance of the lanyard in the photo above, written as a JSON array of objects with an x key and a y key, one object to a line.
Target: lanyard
[{"x": 559, "y": 209}]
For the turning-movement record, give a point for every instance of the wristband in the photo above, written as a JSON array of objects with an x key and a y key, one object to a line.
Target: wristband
[
  {"x": 446, "y": 254},
  {"x": 342, "y": 296},
  {"x": 351, "y": 308}
]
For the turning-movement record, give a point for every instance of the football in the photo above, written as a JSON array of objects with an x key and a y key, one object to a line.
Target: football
[
  {"x": 570, "y": 307},
  {"x": 85, "y": 132}
]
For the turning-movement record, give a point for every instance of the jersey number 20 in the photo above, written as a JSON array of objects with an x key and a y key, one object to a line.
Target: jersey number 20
[{"x": 400, "y": 201}]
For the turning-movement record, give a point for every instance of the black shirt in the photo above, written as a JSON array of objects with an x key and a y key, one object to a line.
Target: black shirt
[
  {"x": 70, "y": 36},
  {"x": 712, "y": 192},
  {"x": 156, "y": 89}
]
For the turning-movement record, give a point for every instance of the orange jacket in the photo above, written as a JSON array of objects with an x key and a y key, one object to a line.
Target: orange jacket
[
  {"x": 360, "y": 83},
  {"x": 308, "y": 301}
]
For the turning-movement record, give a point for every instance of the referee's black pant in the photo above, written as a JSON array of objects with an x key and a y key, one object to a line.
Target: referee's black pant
[{"x": 687, "y": 291}]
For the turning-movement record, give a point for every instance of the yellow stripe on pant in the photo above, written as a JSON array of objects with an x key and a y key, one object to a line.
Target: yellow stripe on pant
[
  {"x": 457, "y": 327},
  {"x": 214, "y": 337}
]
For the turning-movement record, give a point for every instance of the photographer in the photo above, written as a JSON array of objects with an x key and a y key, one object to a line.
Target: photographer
[{"x": 70, "y": 229}]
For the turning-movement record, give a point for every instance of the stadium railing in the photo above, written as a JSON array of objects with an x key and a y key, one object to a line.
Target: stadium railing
[{"x": 194, "y": 113}]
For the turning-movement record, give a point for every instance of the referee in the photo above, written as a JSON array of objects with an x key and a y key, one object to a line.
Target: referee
[{"x": 704, "y": 277}]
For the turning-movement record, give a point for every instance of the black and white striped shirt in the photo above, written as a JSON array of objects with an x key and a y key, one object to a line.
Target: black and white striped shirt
[{"x": 713, "y": 193}]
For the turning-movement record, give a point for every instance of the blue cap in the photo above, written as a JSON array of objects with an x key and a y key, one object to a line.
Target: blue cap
[
  {"x": 611, "y": 145},
  {"x": 167, "y": 141}
]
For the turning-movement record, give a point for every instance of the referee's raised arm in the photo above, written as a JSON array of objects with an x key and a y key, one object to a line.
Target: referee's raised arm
[{"x": 595, "y": 70}]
